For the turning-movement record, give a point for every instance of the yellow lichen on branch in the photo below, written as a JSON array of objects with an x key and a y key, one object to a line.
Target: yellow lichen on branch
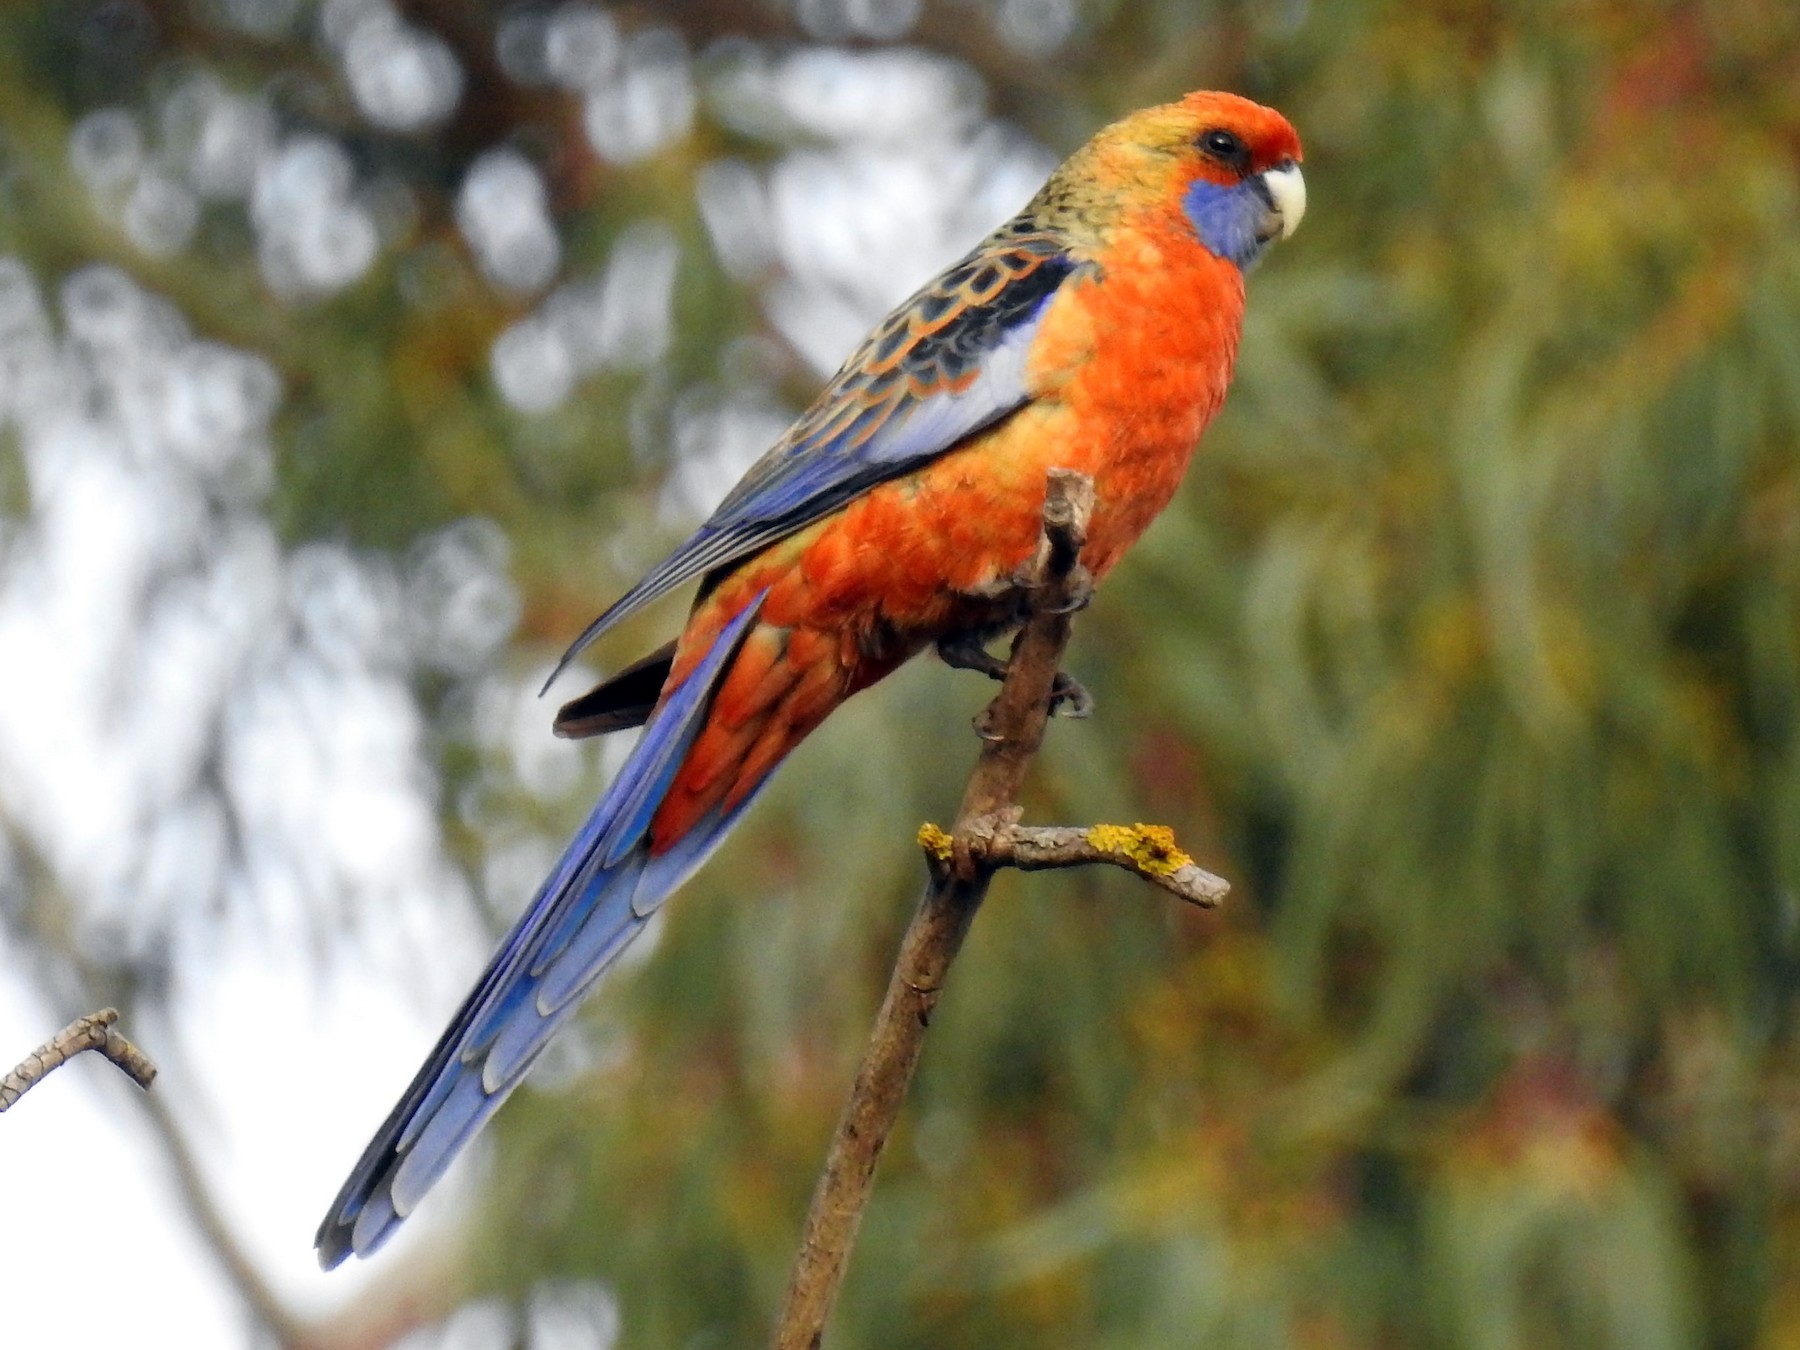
[
  {"x": 935, "y": 841},
  {"x": 1149, "y": 851},
  {"x": 1150, "y": 848}
]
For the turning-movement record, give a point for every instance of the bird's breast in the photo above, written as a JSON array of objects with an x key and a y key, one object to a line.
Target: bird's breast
[{"x": 1139, "y": 357}]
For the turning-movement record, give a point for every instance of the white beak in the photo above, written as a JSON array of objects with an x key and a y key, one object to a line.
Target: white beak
[{"x": 1287, "y": 196}]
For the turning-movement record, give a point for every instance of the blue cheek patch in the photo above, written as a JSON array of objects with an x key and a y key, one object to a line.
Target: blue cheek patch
[{"x": 1225, "y": 218}]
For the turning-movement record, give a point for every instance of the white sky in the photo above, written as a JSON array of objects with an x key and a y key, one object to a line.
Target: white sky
[{"x": 95, "y": 1227}]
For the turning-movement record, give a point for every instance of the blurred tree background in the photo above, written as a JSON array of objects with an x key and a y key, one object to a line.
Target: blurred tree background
[{"x": 353, "y": 354}]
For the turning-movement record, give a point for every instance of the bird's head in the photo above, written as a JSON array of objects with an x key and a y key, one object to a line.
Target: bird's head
[{"x": 1233, "y": 167}]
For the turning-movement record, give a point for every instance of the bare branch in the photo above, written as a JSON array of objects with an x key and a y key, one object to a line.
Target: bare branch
[{"x": 93, "y": 1032}]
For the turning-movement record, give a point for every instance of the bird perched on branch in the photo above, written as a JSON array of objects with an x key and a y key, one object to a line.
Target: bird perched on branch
[{"x": 1096, "y": 331}]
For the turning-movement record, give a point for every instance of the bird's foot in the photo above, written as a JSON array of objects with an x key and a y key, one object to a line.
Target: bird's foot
[
  {"x": 1069, "y": 697},
  {"x": 963, "y": 651},
  {"x": 1080, "y": 583}
]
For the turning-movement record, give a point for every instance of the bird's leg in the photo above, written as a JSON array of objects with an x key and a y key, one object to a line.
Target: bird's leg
[{"x": 964, "y": 651}]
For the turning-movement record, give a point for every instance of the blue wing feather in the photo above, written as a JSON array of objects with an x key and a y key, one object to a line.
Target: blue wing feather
[
  {"x": 947, "y": 364},
  {"x": 599, "y": 896}
]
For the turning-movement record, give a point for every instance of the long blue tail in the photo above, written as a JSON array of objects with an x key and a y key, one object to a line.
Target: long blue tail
[{"x": 602, "y": 892}]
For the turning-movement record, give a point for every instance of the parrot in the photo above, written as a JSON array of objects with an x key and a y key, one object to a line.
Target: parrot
[{"x": 1097, "y": 330}]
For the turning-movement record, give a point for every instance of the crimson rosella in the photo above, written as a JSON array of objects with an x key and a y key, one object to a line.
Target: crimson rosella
[{"x": 1097, "y": 331}]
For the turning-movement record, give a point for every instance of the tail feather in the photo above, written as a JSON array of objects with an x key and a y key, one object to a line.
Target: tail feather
[
  {"x": 463, "y": 1111},
  {"x": 567, "y": 980},
  {"x": 625, "y": 700},
  {"x": 601, "y": 893},
  {"x": 587, "y": 957}
]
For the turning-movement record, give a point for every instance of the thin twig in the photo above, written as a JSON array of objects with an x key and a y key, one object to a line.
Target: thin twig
[
  {"x": 987, "y": 835},
  {"x": 1147, "y": 851},
  {"x": 93, "y": 1032}
]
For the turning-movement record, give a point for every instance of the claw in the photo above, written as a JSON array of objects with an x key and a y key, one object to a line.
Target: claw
[
  {"x": 983, "y": 722},
  {"x": 1081, "y": 587},
  {"x": 1081, "y": 592},
  {"x": 1070, "y": 698}
]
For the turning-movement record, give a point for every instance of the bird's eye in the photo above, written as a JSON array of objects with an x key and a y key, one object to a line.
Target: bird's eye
[{"x": 1226, "y": 146}]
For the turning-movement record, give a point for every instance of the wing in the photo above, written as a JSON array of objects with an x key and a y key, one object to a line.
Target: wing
[{"x": 946, "y": 364}]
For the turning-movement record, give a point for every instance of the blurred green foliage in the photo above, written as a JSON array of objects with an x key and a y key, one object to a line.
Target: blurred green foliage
[{"x": 1470, "y": 653}]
